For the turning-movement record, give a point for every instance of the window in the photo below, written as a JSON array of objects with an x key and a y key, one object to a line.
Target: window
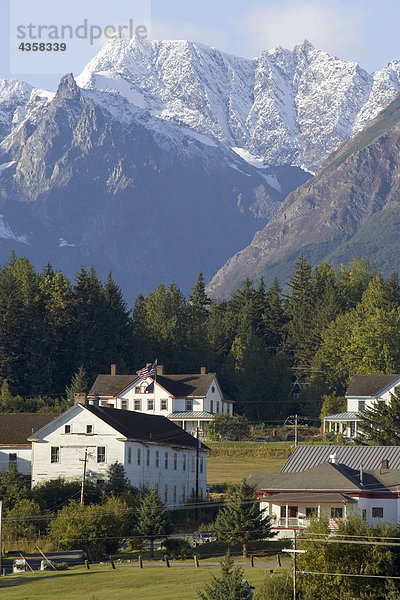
[
  {"x": 184, "y": 462},
  {"x": 129, "y": 455},
  {"x": 67, "y": 428},
  {"x": 212, "y": 389},
  {"x": 124, "y": 404},
  {"x": 174, "y": 494},
  {"x": 147, "y": 457},
  {"x": 361, "y": 405},
  {"x": 200, "y": 492},
  {"x": 183, "y": 495},
  {"x": 211, "y": 406},
  {"x": 217, "y": 407},
  {"x": 55, "y": 454},
  {"x": 336, "y": 513},
  {"x": 89, "y": 428},
  {"x": 166, "y": 460},
  {"x": 137, "y": 404},
  {"x": 101, "y": 454},
  {"x": 311, "y": 512},
  {"x": 138, "y": 456},
  {"x": 189, "y": 404},
  {"x": 163, "y": 404},
  {"x": 150, "y": 404},
  {"x": 377, "y": 512},
  {"x": 137, "y": 390},
  {"x": 155, "y": 487},
  {"x": 192, "y": 464},
  {"x": 175, "y": 461},
  {"x": 201, "y": 464},
  {"x": 157, "y": 458},
  {"x": 12, "y": 458},
  {"x": 165, "y": 493}
]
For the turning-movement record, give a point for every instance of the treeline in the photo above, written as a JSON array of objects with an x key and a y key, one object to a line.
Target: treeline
[{"x": 326, "y": 326}]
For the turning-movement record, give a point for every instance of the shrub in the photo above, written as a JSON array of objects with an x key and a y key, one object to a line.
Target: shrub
[{"x": 178, "y": 548}]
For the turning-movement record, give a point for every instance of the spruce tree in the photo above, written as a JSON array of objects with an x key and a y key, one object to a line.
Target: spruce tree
[
  {"x": 241, "y": 519},
  {"x": 79, "y": 384},
  {"x": 152, "y": 519},
  {"x": 380, "y": 424},
  {"x": 229, "y": 585}
]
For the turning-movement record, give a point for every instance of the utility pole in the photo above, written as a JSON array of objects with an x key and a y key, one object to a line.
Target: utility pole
[
  {"x": 197, "y": 468},
  {"x": 1, "y": 532},
  {"x": 295, "y": 552},
  {"x": 83, "y": 476},
  {"x": 295, "y": 441},
  {"x": 293, "y": 422}
]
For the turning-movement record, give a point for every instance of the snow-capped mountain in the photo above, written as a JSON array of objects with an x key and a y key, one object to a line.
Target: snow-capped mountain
[
  {"x": 14, "y": 96},
  {"x": 288, "y": 107}
]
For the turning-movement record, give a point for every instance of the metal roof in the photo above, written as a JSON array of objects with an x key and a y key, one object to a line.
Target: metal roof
[
  {"x": 344, "y": 416},
  {"x": 190, "y": 414},
  {"x": 370, "y": 457}
]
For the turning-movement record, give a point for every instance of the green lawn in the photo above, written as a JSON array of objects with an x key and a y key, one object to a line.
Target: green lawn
[
  {"x": 235, "y": 468},
  {"x": 102, "y": 583}
]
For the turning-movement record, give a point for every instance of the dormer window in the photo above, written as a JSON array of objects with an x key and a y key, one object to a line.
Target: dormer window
[
  {"x": 189, "y": 404},
  {"x": 361, "y": 405}
]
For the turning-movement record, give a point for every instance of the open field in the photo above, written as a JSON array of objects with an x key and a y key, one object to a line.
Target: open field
[
  {"x": 101, "y": 583},
  {"x": 233, "y": 461}
]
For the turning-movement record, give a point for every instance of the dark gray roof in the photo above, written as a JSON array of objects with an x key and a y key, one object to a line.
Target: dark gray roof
[
  {"x": 371, "y": 457},
  {"x": 15, "y": 428},
  {"x": 369, "y": 385},
  {"x": 143, "y": 427},
  {"x": 111, "y": 385},
  {"x": 190, "y": 414},
  {"x": 327, "y": 476},
  {"x": 344, "y": 416},
  {"x": 191, "y": 385}
]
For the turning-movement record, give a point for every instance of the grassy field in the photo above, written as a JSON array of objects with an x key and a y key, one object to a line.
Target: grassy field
[
  {"x": 233, "y": 461},
  {"x": 101, "y": 583}
]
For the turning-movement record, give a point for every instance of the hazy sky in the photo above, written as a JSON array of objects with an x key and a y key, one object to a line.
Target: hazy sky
[{"x": 366, "y": 31}]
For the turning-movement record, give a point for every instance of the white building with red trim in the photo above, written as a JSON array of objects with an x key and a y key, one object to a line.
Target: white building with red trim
[
  {"x": 329, "y": 489},
  {"x": 191, "y": 400}
]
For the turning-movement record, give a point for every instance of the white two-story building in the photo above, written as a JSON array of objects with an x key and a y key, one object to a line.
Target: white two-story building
[
  {"x": 189, "y": 400},
  {"x": 154, "y": 452},
  {"x": 363, "y": 391}
]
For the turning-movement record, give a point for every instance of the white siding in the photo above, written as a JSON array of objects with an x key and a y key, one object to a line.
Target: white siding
[
  {"x": 72, "y": 450},
  {"x": 23, "y": 458}
]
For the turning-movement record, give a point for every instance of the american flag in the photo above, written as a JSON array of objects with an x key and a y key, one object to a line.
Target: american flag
[{"x": 148, "y": 371}]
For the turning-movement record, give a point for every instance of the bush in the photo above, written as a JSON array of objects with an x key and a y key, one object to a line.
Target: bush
[
  {"x": 178, "y": 548},
  {"x": 61, "y": 566}
]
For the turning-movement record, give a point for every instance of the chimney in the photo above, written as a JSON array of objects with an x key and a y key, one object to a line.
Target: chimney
[
  {"x": 113, "y": 369},
  {"x": 334, "y": 459},
  {"x": 385, "y": 464},
  {"x": 160, "y": 369},
  {"x": 203, "y": 370},
  {"x": 80, "y": 398}
]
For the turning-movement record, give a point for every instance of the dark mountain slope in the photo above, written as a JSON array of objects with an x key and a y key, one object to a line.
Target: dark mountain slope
[{"x": 328, "y": 216}]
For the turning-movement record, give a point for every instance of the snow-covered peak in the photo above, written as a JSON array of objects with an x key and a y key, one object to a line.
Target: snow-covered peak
[
  {"x": 288, "y": 106},
  {"x": 13, "y": 96}
]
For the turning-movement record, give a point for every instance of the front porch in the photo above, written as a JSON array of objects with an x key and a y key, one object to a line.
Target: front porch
[
  {"x": 295, "y": 511},
  {"x": 344, "y": 424},
  {"x": 191, "y": 420}
]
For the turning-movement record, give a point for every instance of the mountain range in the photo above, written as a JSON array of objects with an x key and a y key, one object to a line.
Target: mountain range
[{"x": 162, "y": 159}]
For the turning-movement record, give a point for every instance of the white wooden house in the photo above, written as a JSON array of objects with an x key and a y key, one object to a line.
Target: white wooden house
[
  {"x": 330, "y": 489},
  {"x": 363, "y": 391},
  {"x": 154, "y": 451},
  {"x": 189, "y": 400},
  {"x": 14, "y": 446}
]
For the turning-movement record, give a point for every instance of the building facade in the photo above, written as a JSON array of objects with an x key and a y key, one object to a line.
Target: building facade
[
  {"x": 364, "y": 391},
  {"x": 154, "y": 452},
  {"x": 189, "y": 400}
]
